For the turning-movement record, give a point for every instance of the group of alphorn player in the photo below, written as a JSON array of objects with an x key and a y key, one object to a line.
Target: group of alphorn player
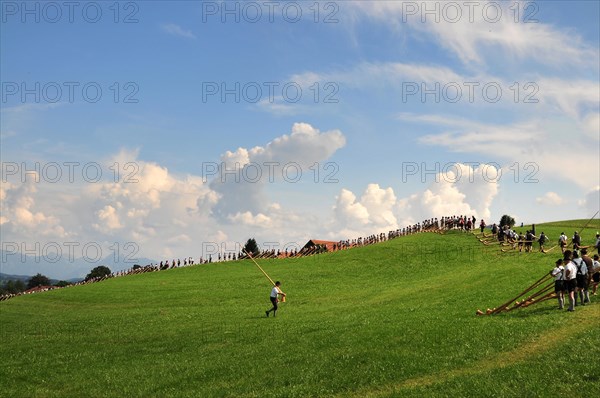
[{"x": 573, "y": 276}]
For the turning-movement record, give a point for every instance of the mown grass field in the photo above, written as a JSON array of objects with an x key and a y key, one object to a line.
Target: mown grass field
[{"x": 396, "y": 319}]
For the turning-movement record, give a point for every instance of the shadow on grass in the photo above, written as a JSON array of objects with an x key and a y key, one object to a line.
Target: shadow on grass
[
  {"x": 263, "y": 316},
  {"x": 525, "y": 313},
  {"x": 528, "y": 312}
]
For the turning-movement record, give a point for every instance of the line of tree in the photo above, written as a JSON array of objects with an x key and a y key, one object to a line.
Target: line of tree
[
  {"x": 18, "y": 286},
  {"x": 12, "y": 287}
]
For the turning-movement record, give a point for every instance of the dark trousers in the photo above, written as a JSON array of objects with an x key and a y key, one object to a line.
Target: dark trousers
[{"x": 274, "y": 302}]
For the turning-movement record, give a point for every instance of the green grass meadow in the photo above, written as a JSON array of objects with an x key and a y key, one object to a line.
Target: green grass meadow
[{"x": 395, "y": 319}]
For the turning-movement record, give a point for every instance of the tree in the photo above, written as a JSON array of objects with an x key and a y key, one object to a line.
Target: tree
[
  {"x": 507, "y": 220},
  {"x": 20, "y": 286},
  {"x": 38, "y": 280},
  {"x": 98, "y": 272},
  {"x": 251, "y": 247},
  {"x": 62, "y": 284},
  {"x": 7, "y": 287}
]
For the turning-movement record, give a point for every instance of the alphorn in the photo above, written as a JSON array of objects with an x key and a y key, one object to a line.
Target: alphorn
[
  {"x": 548, "y": 295},
  {"x": 531, "y": 298},
  {"x": 259, "y": 267},
  {"x": 536, "y": 284},
  {"x": 263, "y": 271}
]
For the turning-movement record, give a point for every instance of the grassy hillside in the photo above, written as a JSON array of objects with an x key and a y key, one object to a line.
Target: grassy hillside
[{"x": 389, "y": 320}]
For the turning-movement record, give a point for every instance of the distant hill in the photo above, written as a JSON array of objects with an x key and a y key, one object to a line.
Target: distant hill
[
  {"x": 8, "y": 277},
  {"x": 25, "y": 278},
  {"x": 22, "y": 267}
]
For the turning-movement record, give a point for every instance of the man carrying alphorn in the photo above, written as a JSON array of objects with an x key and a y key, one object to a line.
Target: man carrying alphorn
[{"x": 275, "y": 293}]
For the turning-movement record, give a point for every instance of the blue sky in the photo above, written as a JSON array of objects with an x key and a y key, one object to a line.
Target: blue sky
[{"x": 366, "y": 129}]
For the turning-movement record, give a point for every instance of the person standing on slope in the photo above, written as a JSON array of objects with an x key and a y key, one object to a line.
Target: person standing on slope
[
  {"x": 581, "y": 277},
  {"x": 275, "y": 293},
  {"x": 559, "y": 277},
  {"x": 570, "y": 279},
  {"x": 596, "y": 274},
  {"x": 542, "y": 240},
  {"x": 576, "y": 241},
  {"x": 589, "y": 265},
  {"x": 562, "y": 241}
]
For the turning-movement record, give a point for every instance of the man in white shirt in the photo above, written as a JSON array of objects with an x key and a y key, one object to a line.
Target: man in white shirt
[
  {"x": 581, "y": 277},
  {"x": 275, "y": 293},
  {"x": 562, "y": 241},
  {"x": 559, "y": 274},
  {"x": 570, "y": 279}
]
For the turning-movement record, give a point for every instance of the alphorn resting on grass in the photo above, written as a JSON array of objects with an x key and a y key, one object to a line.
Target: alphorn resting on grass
[
  {"x": 542, "y": 293},
  {"x": 549, "y": 250},
  {"x": 490, "y": 242}
]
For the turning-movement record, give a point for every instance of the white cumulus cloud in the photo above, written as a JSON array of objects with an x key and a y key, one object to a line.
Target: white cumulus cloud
[
  {"x": 462, "y": 190},
  {"x": 550, "y": 199}
]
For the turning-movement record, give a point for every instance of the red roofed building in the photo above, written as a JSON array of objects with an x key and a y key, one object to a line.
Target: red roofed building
[
  {"x": 39, "y": 289},
  {"x": 330, "y": 245}
]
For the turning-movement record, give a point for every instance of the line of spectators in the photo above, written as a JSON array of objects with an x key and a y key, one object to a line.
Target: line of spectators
[{"x": 428, "y": 225}]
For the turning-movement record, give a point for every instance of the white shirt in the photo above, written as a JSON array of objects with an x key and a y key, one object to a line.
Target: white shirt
[
  {"x": 580, "y": 265},
  {"x": 563, "y": 238},
  {"x": 571, "y": 270},
  {"x": 595, "y": 266},
  {"x": 274, "y": 292},
  {"x": 559, "y": 273}
]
